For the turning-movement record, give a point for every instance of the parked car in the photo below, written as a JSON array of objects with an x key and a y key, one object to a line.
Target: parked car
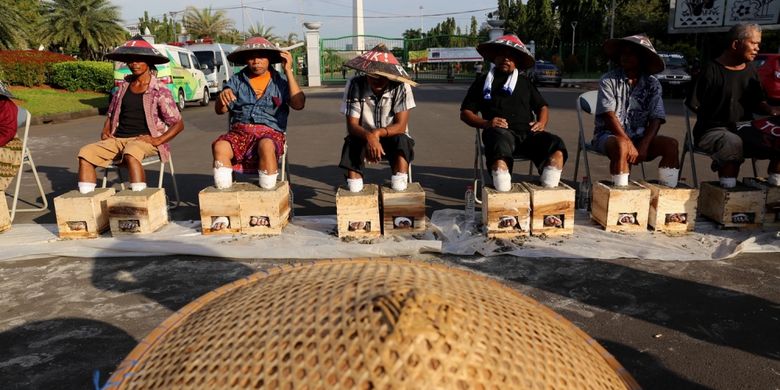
[
  {"x": 769, "y": 72},
  {"x": 546, "y": 72},
  {"x": 675, "y": 77},
  {"x": 214, "y": 63}
]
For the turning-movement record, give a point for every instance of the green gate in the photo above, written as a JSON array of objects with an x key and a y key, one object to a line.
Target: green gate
[{"x": 334, "y": 52}]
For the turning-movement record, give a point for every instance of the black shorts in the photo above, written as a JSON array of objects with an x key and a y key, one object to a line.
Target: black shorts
[
  {"x": 353, "y": 153},
  {"x": 505, "y": 144}
]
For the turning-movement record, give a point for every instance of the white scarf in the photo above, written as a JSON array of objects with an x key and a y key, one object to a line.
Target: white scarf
[{"x": 509, "y": 85}]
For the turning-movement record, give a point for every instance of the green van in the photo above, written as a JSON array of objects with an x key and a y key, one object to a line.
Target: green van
[{"x": 182, "y": 75}]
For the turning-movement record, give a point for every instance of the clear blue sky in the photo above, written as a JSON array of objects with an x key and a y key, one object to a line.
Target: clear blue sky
[{"x": 283, "y": 24}]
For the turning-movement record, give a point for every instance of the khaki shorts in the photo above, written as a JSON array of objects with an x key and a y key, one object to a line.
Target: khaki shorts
[
  {"x": 722, "y": 145},
  {"x": 110, "y": 150}
]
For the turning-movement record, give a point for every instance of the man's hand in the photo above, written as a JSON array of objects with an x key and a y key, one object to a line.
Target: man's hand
[
  {"x": 106, "y": 134},
  {"x": 286, "y": 61},
  {"x": 374, "y": 148},
  {"x": 536, "y": 126},
  {"x": 632, "y": 154},
  {"x": 226, "y": 97},
  {"x": 148, "y": 139},
  {"x": 498, "y": 122}
]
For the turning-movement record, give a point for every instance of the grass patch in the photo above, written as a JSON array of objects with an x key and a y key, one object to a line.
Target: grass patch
[{"x": 46, "y": 101}]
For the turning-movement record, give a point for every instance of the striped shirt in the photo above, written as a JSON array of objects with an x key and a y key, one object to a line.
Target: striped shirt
[{"x": 375, "y": 112}]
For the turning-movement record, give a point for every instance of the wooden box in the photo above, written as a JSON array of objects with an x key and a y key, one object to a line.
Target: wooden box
[
  {"x": 506, "y": 214},
  {"x": 5, "y": 215},
  {"x": 772, "y": 205},
  {"x": 269, "y": 210},
  {"x": 403, "y": 212},
  {"x": 215, "y": 203},
  {"x": 137, "y": 212},
  {"x": 83, "y": 215},
  {"x": 555, "y": 202},
  {"x": 724, "y": 206},
  {"x": 611, "y": 204},
  {"x": 672, "y": 209},
  {"x": 357, "y": 213}
]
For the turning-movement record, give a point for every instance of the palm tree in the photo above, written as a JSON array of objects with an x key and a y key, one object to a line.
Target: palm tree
[
  {"x": 258, "y": 30},
  {"x": 90, "y": 25},
  {"x": 10, "y": 25},
  {"x": 205, "y": 23}
]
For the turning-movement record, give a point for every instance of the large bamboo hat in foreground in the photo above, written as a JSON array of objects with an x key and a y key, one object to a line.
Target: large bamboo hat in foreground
[
  {"x": 380, "y": 61},
  {"x": 369, "y": 323},
  {"x": 256, "y": 45},
  {"x": 137, "y": 48}
]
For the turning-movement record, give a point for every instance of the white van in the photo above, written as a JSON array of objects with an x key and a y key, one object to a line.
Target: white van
[{"x": 214, "y": 62}]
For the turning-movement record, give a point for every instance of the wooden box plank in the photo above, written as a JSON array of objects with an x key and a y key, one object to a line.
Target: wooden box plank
[
  {"x": 551, "y": 202},
  {"x": 5, "y": 215},
  {"x": 271, "y": 208},
  {"x": 147, "y": 209},
  {"x": 506, "y": 214},
  {"x": 408, "y": 204},
  {"x": 610, "y": 203},
  {"x": 724, "y": 206},
  {"x": 666, "y": 203},
  {"x": 772, "y": 204},
  {"x": 83, "y": 215},
  {"x": 214, "y": 202},
  {"x": 357, "y": 213}
]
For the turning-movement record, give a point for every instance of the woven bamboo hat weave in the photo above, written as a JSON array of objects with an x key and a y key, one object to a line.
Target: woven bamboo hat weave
[
  {"x": 137, "y": 48},
  {"x": 490, "y": 49},
  {"x": 380, "y": 61},
  {"x": 257, "y": 45},
  {"x": 368, "y": 323},
  {"x": 653, "y": 62},
  {"x": 4, "y": 91}
]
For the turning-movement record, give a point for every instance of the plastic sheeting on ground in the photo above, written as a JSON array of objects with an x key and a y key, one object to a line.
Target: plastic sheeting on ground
[
  {"x": 589, "y": 240},
  {"x": 313, "y": 238}
]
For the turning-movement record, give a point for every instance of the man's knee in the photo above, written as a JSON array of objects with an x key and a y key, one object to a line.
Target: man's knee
[{"x": 729, "y": 148}]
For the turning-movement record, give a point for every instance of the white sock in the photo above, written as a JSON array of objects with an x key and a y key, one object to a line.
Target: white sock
[
  {"x": 502, "y": 180},
  {"x": 355, "y": 185},
  {"x": 728, "y": 182},
  {"x": 398, "y": 181},
  {"x": 620, "y": 180},
  {"x": 137, "y": 186},
  {"x": 551, "y": 176},
  {"x": 223, "y": 177},
  {"x": 85, "y": 187},
  {"x": 774, "y": 179},
  {"x": 668, "y": 176},
  {"x": 268, "y": 181}
]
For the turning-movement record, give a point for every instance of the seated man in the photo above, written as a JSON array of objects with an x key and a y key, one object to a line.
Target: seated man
[
  {"x": 630, "y": 111},
  {"x": 514, "y": 115},
  {"x": 10, "y": 145},
  {"x": 142, "y": 119},
  {"x": 728, "y": 91},
  {"x": 376, "y": 105},
  {"x": 259, "y": 100}
]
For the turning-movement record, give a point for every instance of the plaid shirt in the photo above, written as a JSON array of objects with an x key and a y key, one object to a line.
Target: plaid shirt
[
  {"x": 159, "y": 107},
  {"x": 634, "y": 107},
  {"x": 375, "y": 112}
]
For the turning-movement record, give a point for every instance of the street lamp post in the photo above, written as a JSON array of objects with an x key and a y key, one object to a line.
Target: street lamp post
[
  {"x": 573, "y": 31},
  {"x": 612, "y": 22},
  {"x": 421, "y": 20}
]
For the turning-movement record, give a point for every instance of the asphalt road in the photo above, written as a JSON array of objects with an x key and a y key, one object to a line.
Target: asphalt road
[{"x": 673, "y": 325}]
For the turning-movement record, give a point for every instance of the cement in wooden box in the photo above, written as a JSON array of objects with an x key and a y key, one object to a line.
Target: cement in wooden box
[
  {"x": 403, "y": 212},
  {"x": 740, "y": 207},
  {"x": 620, "y": 208},
  {"x": 357, "y": 213},
  {"x": 137, "y": 212},
  {"x": 772, "y": 209},
  {"x": 671, "y": 209},
  {"x": 552, "y": 209},
  {"x": 83, "y": 215},
  {"x": 5, "y": 216},
  {"x": 213, "y": 203},
  {"x": 263, "y": 211},
  {"x": 506, "y": 214}
]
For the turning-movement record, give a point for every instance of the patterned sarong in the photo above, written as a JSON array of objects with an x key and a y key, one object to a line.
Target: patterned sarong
[
  {"x": 243, "y": 138},
  {"x": 10, "y": 159}
]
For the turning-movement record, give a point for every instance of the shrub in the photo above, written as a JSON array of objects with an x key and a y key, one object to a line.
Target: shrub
[
  {"x": 28, "y": 67},
  {"x": 87, "y": 75}
]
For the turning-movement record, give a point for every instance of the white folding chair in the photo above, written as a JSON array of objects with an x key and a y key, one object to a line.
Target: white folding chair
[
  {"x": 586, "y": 103},
  {"x": 147, "y": 161},
  {"x": 23, "y": 120},
  {"x": 690, "y": 147},
  {"x": 480, "y": 166}
]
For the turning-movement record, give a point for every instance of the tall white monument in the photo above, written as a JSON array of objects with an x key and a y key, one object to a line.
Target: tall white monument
[{"x": 358, "y": 42}]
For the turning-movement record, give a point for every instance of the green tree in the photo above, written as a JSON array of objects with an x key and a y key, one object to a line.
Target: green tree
[
  {"x": 412, "y": 33},
  {"x": 11, "y": 31},
  {"x": 589, "y": 14},
  {"x": 473, "y": 29},
  {"x": 164, "y": 30},
  {"x": 203, "y": 23},
  {"x": 258, "y": 30},
  {"x": 540, "y": 22},
  {"x": 89, "y": 26}
]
